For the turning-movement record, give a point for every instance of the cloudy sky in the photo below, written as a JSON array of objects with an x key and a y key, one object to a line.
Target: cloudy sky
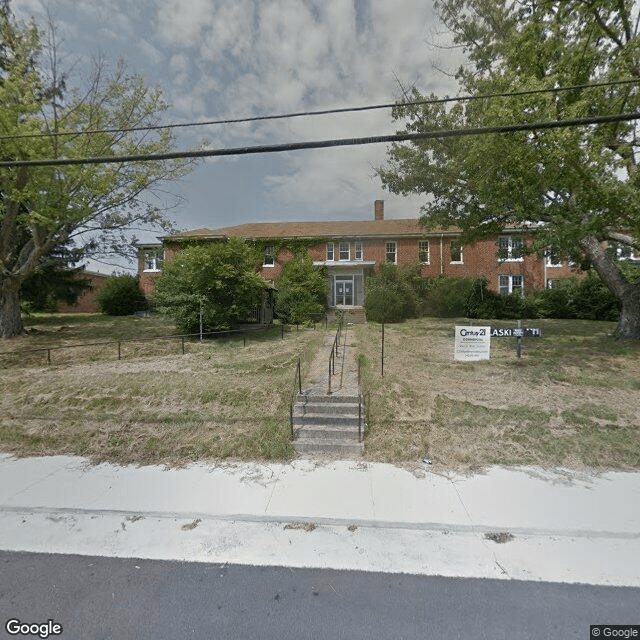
[{"x": 241, "y": 58}]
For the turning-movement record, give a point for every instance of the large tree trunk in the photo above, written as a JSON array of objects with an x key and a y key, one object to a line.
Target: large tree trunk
[
  {"x": 627, "y": 293},
  {"x": 10, "y": 315}
]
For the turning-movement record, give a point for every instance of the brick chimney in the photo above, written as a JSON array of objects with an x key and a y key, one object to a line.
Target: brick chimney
[{"x": 378, "y": 208}]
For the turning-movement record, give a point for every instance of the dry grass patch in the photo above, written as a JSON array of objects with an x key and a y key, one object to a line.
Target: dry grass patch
[
  {"x": 220, "y": 400},
  {"x": 572, "y": 400}
]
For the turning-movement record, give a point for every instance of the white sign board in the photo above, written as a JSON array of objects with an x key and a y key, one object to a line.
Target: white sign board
[{"x": 473, "y": 343}]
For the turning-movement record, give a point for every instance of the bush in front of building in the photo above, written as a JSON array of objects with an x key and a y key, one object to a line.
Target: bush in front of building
[
  {"x": 395, "y": 293},
  {"x": 121, "y": 296},
  {"x": 301, "y": 290}
]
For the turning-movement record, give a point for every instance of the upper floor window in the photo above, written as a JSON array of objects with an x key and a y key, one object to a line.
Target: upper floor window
[
  {"x": 344, "y": 251},
  {"x": 153, "y": 260},
  {"x": 456, "y": 251},
  {"x": 552, "y": 259},
  {"x": 391, "y": 252},
  {"x": 511, "y": 284},
  {"x": 269, "y": 260},
  {"x": 423, "y": 251},
  {"x": 358, "y": 254},
  {"x": 510, "y": 248},
  {"x": 330, "y": 254}
]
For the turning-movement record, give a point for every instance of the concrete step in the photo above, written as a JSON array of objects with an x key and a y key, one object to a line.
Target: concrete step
[
  {"x": 334, "y": 399},
  {"x": 326, "y": 432},
  {"x": 324, "y": 419},
  {"x": 328, "y": 447},
  {"x": 330, "y": 408}
]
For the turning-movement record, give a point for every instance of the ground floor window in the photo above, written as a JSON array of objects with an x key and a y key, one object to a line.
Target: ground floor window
[{"x": 510, "y": 284}]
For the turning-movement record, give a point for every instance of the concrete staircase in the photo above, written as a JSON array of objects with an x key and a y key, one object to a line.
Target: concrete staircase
[
  {"x": 328, "y": 425},
  {"x": 354, "y": 315}
]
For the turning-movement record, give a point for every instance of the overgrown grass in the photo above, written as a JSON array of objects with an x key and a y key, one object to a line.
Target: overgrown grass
[
  {"x": 219, "y": 400},
  {"x": 570, "y": 401}
]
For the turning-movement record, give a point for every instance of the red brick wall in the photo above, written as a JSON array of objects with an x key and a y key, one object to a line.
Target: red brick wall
[
  {"x": 87, "y": 301},
  {"x": 478, "y": 259}
]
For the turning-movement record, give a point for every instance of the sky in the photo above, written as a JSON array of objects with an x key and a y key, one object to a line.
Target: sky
[{"x": 221, "y": 59}]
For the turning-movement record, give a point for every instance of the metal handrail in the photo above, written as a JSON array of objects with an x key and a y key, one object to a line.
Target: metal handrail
[
  {"x": 334, "y": 353},
  {"x": 297, "y": 382}
]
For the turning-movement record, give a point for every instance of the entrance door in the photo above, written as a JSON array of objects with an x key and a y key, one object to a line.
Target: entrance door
[{"x": 344, "y": 291}]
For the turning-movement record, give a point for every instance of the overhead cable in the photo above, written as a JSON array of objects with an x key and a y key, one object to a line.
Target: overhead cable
[
  {"x": 323, "y": 144},
  {"x": 298, "y": 114}
]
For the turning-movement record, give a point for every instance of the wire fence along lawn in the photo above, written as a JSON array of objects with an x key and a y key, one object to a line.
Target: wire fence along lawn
[{"x": 131, "y": 347}]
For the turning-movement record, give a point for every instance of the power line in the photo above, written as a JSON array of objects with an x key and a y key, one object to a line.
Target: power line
[
  {"x": 298, "y": 114},
  {"x": 323, "y": 144}
]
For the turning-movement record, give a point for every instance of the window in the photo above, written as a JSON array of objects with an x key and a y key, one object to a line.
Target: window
[
  {"x": 268, "y": 256},
  {"x": 390, "y": 250},
  {"x": 423, "y": 251},
  {"x": 510, "y": 284},
  {"x": 329, "y": 251},
  {"x": 153, "y": 260},
  {"x": 509, "y": 248},
  {"x": 551, "y": 259},
  {"x": 456, "y": 251},
  {"x": 344, "y": 251},
  {"x": 358, "y": 251},
  {"x": 625, "y": 252}
]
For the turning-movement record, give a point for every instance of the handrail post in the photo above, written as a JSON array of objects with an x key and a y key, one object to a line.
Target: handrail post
[{"x": 299, "y": 378}]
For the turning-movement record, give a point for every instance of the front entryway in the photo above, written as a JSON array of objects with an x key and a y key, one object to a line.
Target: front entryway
[{"x": 343, "y": 291}]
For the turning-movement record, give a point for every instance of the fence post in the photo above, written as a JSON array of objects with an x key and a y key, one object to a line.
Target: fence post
[
  {"x": 118, "y": 349},
  {"x": 299, "y": 378},
  {"x": 182, "y": 345},
  {"x": 48, "y": 356}
]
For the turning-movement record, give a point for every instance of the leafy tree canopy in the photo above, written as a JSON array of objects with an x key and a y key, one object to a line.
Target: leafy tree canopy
[
  {"x": 301, "y": 289},
  {"x": 578, "y": 187},
  {"x": 94, "y": 207},
  {"x": 219, "y": 278}
]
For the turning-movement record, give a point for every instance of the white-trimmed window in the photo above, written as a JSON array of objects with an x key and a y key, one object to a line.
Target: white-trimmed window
[
  {"x": 625, "y": 252},
  {"x": 455, "y": 249},
  {"x": 269, "y": 260},
  {"x": 358, "y": 253},
  {"x": 330, "y": 254},
  {"x": 423, "y": 251},
  {"x": 551, "y": 259},
  {"x": 153, "y": 260},
  {"x": 391, "y": 251},
  {"x": 344, "y": 253},
  {"x": 510, "y": 284},
  {"x": 510, "y": 249}
]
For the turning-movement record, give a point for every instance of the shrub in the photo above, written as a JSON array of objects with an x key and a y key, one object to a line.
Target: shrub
[
  {"x": 301, "y": 289},
  {"x": 121, "y": 296},
  {"x": 395, "y": 293},
  {"x": 447, "y": 296}
]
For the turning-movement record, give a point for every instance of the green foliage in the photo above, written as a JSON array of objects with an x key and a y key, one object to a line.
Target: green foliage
[
  {"x": 93, "y": 205},
  {"x": 579, "y": 183},
  {"x": 121, "y": 296},
  {"x": 301, "y": 289},
  {"x": 395, "y": 293},
  {"x": 219, "y": 278},
  {"x": 447, "y": 296}
]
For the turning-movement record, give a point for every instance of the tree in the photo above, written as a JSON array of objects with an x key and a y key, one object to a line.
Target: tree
[
  {"x": 91, "y": 206},
  {"x": 121, "y": 296},
  {"x": 218, "y": 280},
  {"x": 55, "y": 279},
  {"x": 301, "y": 289},
  {"x": 576, "y": 187}
]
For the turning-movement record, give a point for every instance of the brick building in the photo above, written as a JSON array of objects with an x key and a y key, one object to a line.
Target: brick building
[
  {"x": 352, "y": 250},
  {"x": 87, "y": 302}
]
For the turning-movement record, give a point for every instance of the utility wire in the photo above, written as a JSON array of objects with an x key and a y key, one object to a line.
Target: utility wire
[
  {"x": 298, "y": 114},
  {"x": 323, "y": 144}
]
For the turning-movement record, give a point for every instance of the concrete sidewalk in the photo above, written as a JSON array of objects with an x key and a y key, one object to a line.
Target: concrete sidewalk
[{"x": 557, "y": 526}]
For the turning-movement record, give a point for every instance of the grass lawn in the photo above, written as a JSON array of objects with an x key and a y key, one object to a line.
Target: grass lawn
[
  {"x": 572, "y": 400},
  {"x": 219, "y": 400}
]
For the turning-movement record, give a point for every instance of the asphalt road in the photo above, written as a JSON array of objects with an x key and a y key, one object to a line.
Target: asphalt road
[{"x": 102, "y": 598}]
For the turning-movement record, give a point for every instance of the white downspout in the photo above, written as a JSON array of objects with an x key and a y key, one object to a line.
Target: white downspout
[{"x": 441, "y": 260}]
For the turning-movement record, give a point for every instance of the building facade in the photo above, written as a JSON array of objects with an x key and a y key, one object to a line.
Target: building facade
[{"x": 353, "y": 250}]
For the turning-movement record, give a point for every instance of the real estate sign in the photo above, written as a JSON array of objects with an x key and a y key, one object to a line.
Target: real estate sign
[{"x": 472, "y": 343}]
